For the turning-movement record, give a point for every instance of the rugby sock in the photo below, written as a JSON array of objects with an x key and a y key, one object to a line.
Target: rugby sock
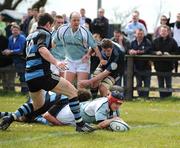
[
  {"x": 25, "y": 109},
  {"x": 75, "y": 108},
  {"x": 2, "y": 114},
  {"x": 41, "y": 120}
]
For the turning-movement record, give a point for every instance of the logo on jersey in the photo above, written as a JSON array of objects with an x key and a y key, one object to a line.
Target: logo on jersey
[{"x": 114, "y": 66}]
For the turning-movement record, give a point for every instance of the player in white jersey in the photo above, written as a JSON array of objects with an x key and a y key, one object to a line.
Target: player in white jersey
[{"x": 101, "y": 111}]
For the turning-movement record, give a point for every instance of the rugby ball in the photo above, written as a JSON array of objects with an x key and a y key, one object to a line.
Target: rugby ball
[{"x": 119, "y": 126}]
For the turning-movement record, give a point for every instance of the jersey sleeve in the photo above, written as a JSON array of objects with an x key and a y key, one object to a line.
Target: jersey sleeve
[{"x": 44, "y": 40}]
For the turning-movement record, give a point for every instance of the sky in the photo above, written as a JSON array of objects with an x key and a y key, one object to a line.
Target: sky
[{"x": 149, "y": 9}]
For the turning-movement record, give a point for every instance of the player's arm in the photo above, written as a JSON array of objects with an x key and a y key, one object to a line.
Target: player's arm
[
  {"x": 52, "y": 119},
  {"x": 45, "y": 53},
  {"x": 93, "y": 81},
  {"x": 106, "y": 123}
]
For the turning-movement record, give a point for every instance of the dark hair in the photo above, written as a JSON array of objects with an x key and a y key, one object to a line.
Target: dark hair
[
  {"x": 44, "y": 19},
  {"x": 84, "y": 95},
  {"x": 106, "y": 43},
  {"x": 118, "y": 31}
]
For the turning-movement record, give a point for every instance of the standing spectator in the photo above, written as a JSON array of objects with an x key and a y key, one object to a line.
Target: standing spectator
[
  {"x": 33, "y": 22},
  {"x": 53, "y": 14},
  {"x": 141, "y": 45},
  {"x": 57, "y": 49},
  {"x": 76, "y": 41},
  {"x": 2, "y": 26},
  {"x": 7, "y": 77},
  {"x": 121, "y": 40},
  {"x": 140, "y": 20},
  {"x": 106, "y": 74},
  {"x": 163, "y": 21},
  {"x": 131, "y": 27},
  {"x": 83, "y": 17},
  {"x": 25, "y": 26},
  {"x": 42, "y": 10},
  {"x": 66, "y": 19},
  {"x": 164, "y": 45},
  {"x": 101, "y": 24},
  {"x": 16, "y": 46},
  {"x": 94, "y": 58},
  {"x": 85, "y": 21},
  {"x": 176, "y": 35},
  {"x": 124, "y": 44}
]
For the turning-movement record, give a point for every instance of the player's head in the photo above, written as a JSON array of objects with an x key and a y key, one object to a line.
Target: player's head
[
  {"x": 115, "y": 99},
  {"x": 74, "y": 20},
  {"x": 46, "y": 20},
  {"x": 107, "y": 46},
  {"x": 84, "y": 95}
]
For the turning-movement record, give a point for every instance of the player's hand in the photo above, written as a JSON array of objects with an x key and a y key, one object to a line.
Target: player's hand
[
  {"x": 158, "y": 53},
  {"x": 61, "y": 65},
  {"x": 103, "y": 62},
  {"x": 85, "y": 58}
]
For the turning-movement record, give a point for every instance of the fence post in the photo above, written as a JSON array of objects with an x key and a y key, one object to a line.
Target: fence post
[{"x": 129, "y": 89}]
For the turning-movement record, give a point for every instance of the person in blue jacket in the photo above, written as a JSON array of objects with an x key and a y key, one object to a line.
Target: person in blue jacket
[{"x": 16, "y": 45}]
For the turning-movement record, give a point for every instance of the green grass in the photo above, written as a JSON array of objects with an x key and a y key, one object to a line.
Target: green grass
[{"x": 154, "y": 124}]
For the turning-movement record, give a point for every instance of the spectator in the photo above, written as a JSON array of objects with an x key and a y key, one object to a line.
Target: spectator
[
  {"x": 140, "y": 20},
  {"x": 53, "y": 14},
  {"x": 176, "y": 35},
  {"x": 76, "y": 41},
  {"x": 25, "y": 27},
  {"x": 7, "y": 77},
  {"x": 163, "y": 21},
  {"x": 141, "y": 45},
  {"x": 131, "y": 27},
  {"x": 94, "y": 58},
  {"x": 66, "y": 19},
  {"x": 164, "y": 45},
  {"x": 101, "y": 24},
  {"x": 33, "y": 22},
  {"x": 121, "y": 40},
  {"x": 106, "y": 73},
  {"x": 57, "y": 51},
  {"x": 42, "y": 10},
  {"x": 16, "y": 47},
  {"x": 2, "y": 26}
]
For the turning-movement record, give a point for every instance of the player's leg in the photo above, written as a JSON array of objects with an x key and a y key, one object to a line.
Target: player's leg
[
  {"x": 105, "y": 85},
  {"x": 66, "y": 88},
  {"x": 3, "y": 114},
  {"x": 25, "y": 109},
  {"x": 83, "y": 70}
]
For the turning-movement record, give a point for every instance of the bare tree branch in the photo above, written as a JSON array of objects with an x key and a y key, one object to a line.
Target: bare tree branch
[
  {"x": 7, "y": 4},
  {"x": 16, "y": 4},
  {"x": 39, "y": 3}
]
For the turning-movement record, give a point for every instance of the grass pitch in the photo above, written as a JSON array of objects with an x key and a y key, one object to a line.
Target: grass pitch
[{"x": 154, "y": 124}]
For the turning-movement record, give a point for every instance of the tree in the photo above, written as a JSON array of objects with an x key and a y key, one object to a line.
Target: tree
[
  {"x": 120, "y": 17},
  {"x": 12, "y": 4}
]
